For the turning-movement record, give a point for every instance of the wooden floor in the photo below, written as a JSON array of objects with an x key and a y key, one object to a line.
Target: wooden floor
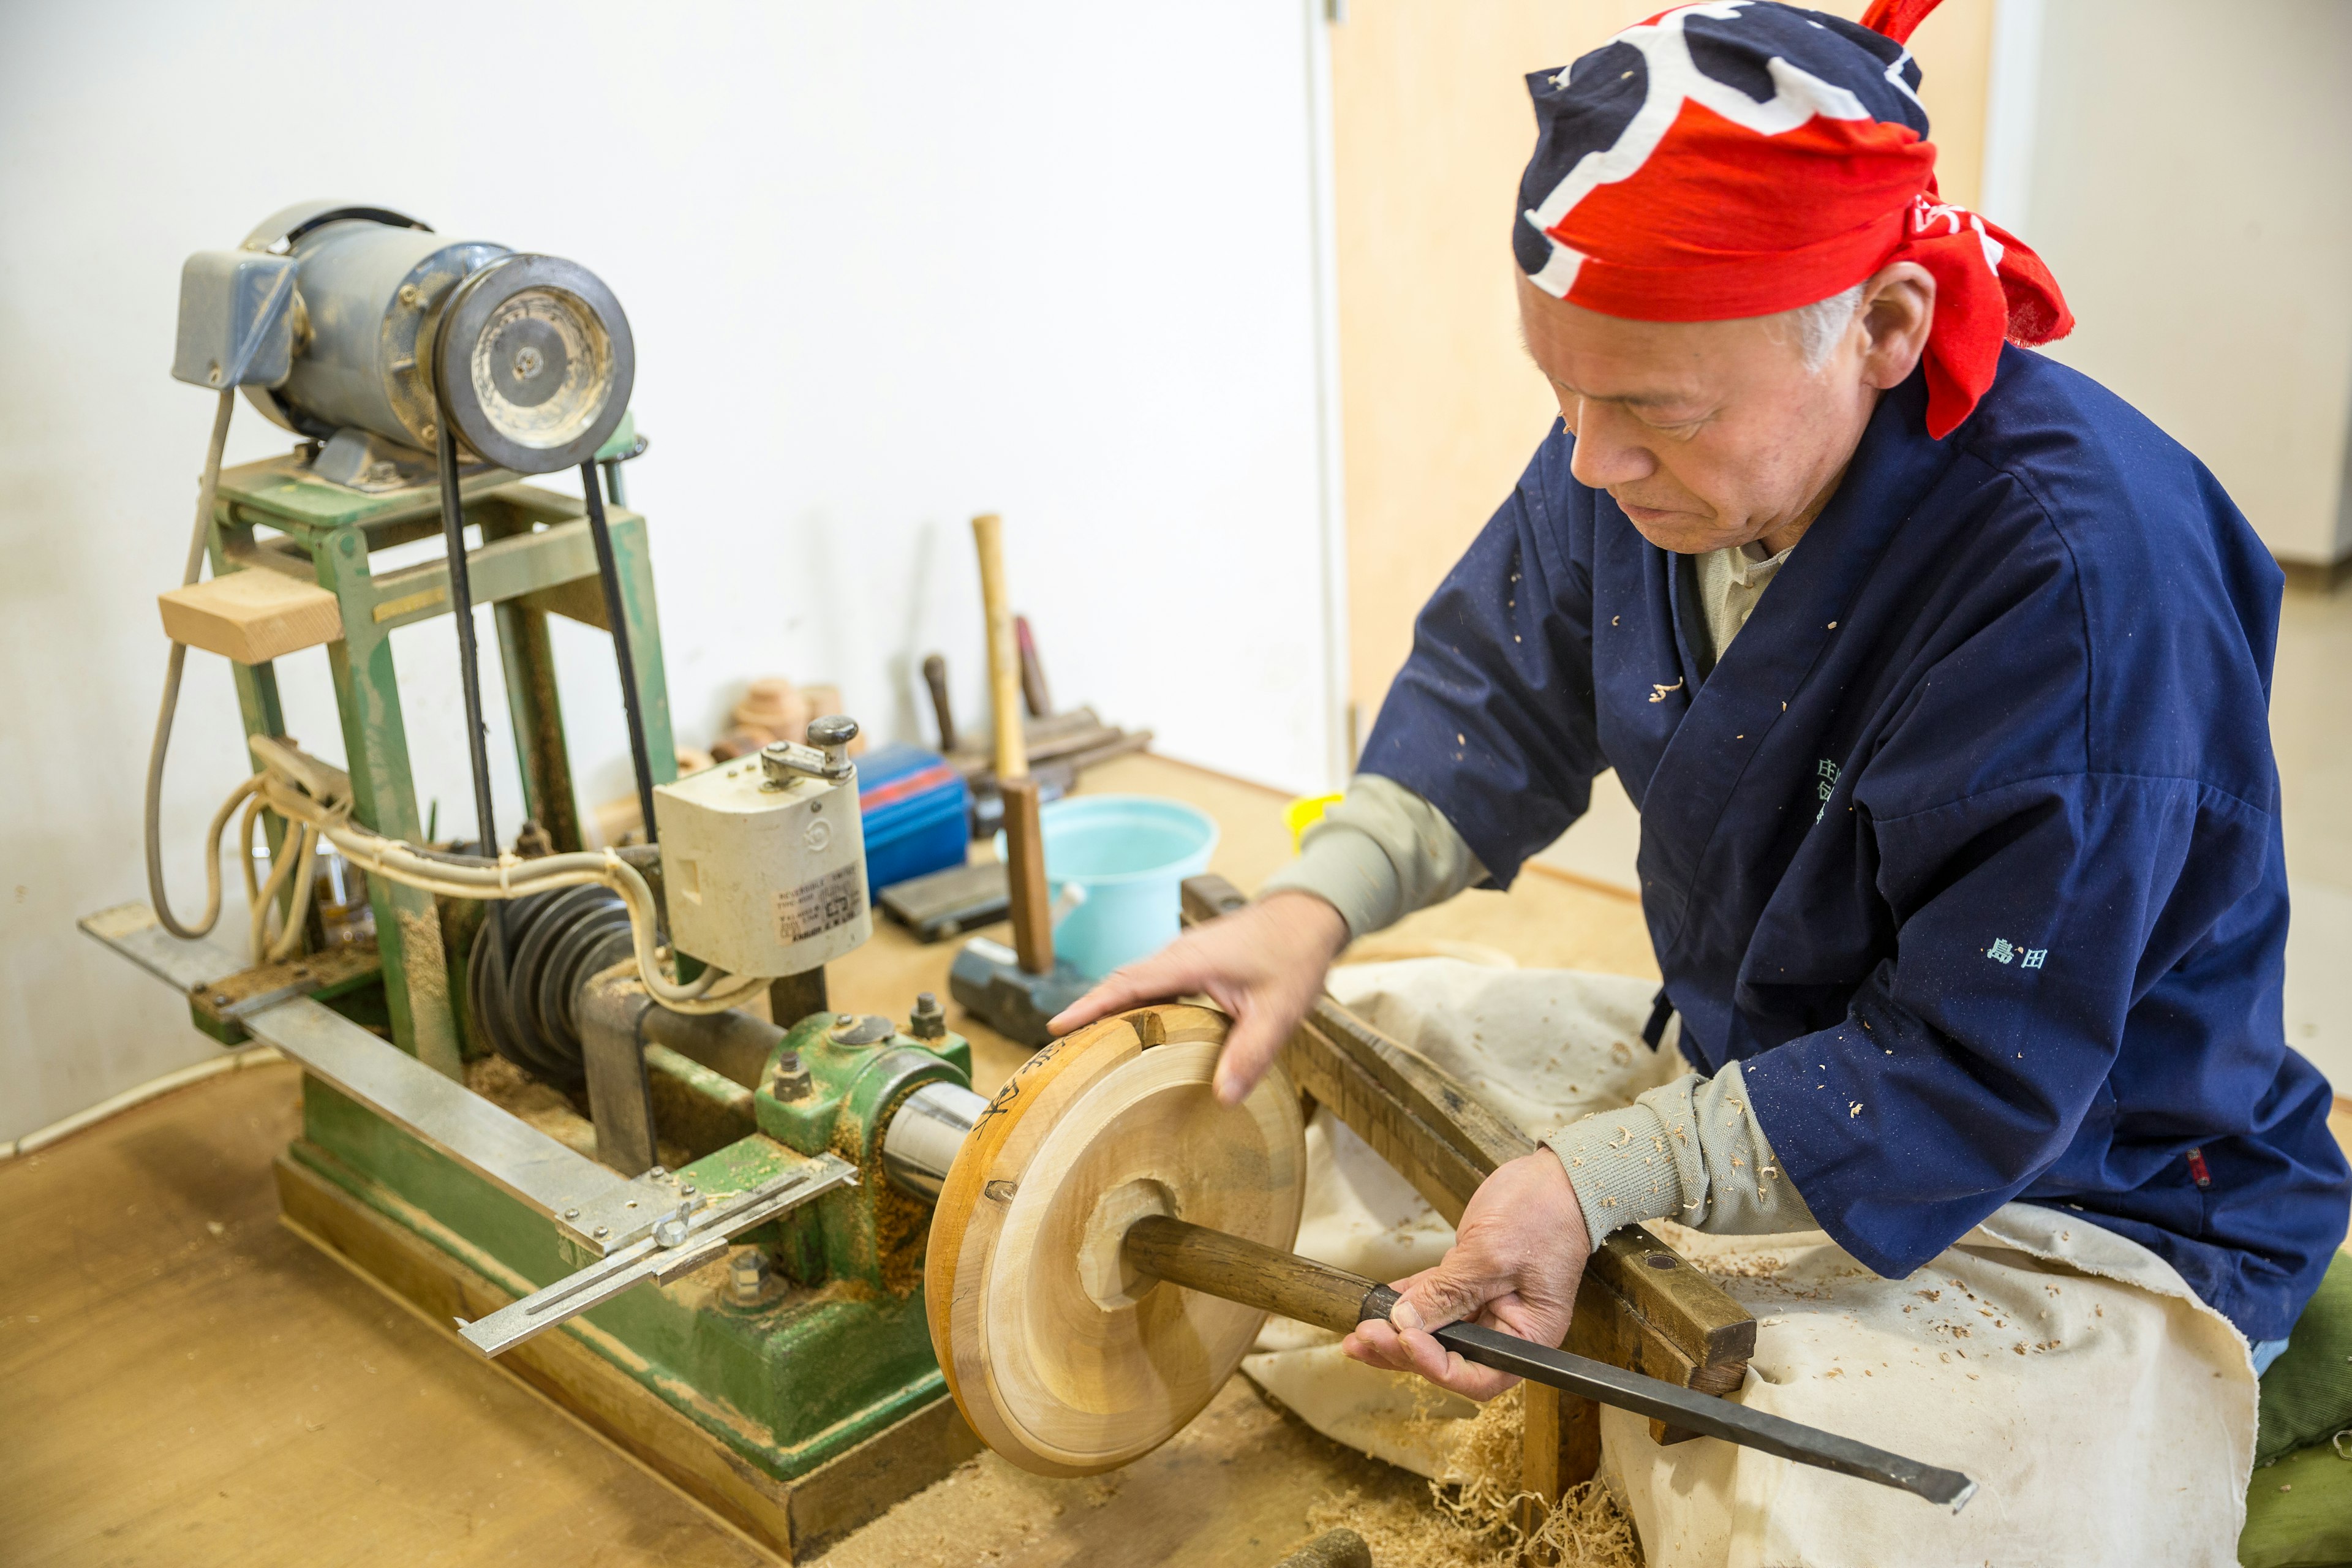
[{"x": 184, "y": 1383}]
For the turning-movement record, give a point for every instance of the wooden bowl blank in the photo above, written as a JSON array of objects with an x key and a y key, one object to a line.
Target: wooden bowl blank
[{"x": 1063, "y": 1360}]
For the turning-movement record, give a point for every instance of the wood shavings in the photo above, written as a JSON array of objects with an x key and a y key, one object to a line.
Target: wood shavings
[
  {"x": 1475, "y": 1528},
  {"x": 1472, "y": 1521}
]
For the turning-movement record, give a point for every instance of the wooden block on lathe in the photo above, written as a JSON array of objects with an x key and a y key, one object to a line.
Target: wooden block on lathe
[{"x": 251, "y": 617}]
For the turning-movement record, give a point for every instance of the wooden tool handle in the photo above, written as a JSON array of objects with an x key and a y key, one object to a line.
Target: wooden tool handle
[
  {"x": 935, "y": 676},
  {"x": 1024, "y": 875},
  {"x": 1004, "y": 657},
  {"x": 1237, "y": 1269},
  {"x": 1033, "y": 670}
]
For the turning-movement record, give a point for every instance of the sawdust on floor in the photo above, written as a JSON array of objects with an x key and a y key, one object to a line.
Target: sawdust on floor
[
  {"x": 1476, "y": 1522},
  {"x": 1478, "y": 1529},
  {"x": 988, "y": 1512}
]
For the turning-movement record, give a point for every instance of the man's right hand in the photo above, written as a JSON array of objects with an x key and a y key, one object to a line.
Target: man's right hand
[{"x": 1264, "y": 964}]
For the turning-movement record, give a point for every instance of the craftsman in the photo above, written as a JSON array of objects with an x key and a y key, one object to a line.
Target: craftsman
[{"x": 1938, "y": 674}]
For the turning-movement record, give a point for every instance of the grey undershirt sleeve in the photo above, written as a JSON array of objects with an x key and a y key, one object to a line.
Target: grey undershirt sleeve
[
  {"x": 1378, "y": 855},
  {"x": 1690, "y": 1150}
]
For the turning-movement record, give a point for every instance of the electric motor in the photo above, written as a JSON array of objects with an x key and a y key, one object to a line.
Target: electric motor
[{"x": 343, "y": 322}]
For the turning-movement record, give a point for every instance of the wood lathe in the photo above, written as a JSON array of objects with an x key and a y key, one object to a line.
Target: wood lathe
[{"x": 533, "y": 1098}]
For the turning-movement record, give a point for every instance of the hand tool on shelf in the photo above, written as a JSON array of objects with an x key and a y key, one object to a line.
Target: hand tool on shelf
[
  {"x": 1057, "y": 747},
  {"x": 935, "y": 676},
  {"x": 1014, "y": 991},
  {"x": 1033, "y": 694},
  {"x": 947, "y": 903},
  {"x": 1077, "y": 735}
]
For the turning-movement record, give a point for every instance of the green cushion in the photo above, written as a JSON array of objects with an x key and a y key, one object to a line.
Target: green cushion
[
  {"x": 2307, "y": 1391},
  {"x": 2299, "y": 1513}
]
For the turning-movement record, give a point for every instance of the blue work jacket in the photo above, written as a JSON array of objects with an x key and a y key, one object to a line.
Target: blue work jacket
[{"x": 1969, "y": 847}]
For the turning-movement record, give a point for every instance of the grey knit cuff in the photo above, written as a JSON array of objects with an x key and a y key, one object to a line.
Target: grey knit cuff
[
  {"x": 1623, "y": 1166},
  {"x": 1347, "y": 868}
]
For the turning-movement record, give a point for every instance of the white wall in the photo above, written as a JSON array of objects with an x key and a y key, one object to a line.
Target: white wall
[
  {"x": 2191, "y": 186},
  {"x": 888, "y": 265}
]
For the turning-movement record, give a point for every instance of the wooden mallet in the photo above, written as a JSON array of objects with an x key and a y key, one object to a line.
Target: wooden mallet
[{"x": 1014, "y": 993}]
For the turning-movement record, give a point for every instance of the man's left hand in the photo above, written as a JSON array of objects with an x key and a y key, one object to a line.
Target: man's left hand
[{"x": 1514, "y": 1266}]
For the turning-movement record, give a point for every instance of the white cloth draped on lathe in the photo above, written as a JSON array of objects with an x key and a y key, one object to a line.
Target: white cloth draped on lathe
[{"x": 2106, "y": 1414}]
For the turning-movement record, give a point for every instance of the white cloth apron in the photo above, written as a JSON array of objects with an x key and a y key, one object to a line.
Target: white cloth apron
[{"x": 2106, "y": 1414}]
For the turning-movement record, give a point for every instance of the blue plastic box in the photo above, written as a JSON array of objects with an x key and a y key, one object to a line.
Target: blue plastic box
[{"x": 914, "y": 806}]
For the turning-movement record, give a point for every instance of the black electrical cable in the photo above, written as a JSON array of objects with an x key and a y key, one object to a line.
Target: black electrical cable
[
  {"x": 609, "y": 571},
  {"x": 461, "y": 607}
]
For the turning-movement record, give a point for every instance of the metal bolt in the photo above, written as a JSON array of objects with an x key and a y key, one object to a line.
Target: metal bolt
[
  {"x": 688, "y": 1189},
  {"x": 570, "y": 1214},
  {"x": 746, "y": 1275},
  {"x": 671, "y": 1232},
  {"x": 790, "y": 1078},
  {"x": 604, "y": 1230},
  {"x": 658, "y": 1170},
  {"x": 220, "y": 998},
  {"x": 929, "y": 1021}
]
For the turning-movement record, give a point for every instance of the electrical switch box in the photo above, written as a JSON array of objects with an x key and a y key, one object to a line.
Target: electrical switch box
[
  {"x": 236, "y": 320},
  {"x": 764, "y": 870}
]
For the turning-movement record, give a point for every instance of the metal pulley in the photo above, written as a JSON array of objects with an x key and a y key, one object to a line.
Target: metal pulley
[
  {"x": 358, "y": 326},
  {"x": 533, "y": 363}
]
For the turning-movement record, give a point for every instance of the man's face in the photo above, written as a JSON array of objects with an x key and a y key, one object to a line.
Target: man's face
[{"x": 1708, "y": 433}]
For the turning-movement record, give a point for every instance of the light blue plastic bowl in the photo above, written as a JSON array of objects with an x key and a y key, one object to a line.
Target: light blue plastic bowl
[{"x": 1130, "y": 853}]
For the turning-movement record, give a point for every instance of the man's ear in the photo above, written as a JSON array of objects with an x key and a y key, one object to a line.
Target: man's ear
[{"x": 1898, "y": 308}]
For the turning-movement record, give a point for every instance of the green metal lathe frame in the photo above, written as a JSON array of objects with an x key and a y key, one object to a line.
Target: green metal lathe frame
[
  {"x": 817, "y": 1404},
  {"x": 535, "y": 559}
]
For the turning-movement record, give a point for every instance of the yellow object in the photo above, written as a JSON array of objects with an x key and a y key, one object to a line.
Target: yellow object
[{"x": 1305, "y": 811}]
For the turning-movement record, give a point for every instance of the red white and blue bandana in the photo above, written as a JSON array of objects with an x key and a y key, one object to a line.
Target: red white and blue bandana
[{"x": 1743, "y": 157}]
